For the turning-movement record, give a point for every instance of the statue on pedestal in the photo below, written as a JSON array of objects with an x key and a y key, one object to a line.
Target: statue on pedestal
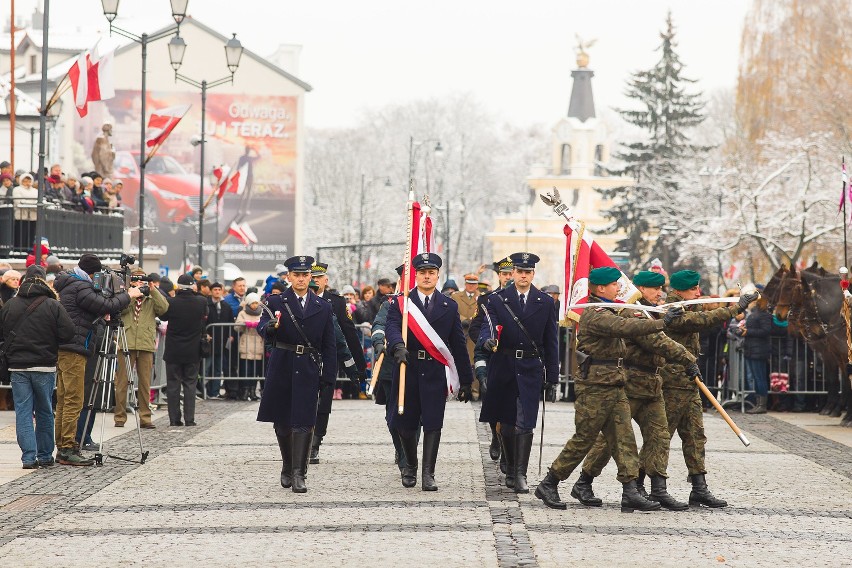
[{"x": 103, "y": 153}]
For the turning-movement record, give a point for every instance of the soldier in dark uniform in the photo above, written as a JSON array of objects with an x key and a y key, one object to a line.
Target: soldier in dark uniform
[
  {"x": 426, "y": 379},
  {"x": 522, "y": 363},
  {"x": 319, "y": 274},
  {"x": 602, "y": 404},
  {"x": 304, "y": 357},
  {"x": 481, "y": 356},
  {"x": 684, "y": 412},
  {"x": 646, "y": 355}
]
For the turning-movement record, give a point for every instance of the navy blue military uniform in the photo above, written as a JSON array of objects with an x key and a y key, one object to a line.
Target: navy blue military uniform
[
  {"x": 426, "y": 380},
  {"x": 293, "y": 375},
  {"x": 517, "y": 371}
]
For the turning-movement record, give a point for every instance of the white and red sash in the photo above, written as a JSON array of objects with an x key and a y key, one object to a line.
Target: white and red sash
[{"x": 433, "y": 344}]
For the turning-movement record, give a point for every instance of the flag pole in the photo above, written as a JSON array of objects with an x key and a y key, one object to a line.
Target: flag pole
[
  {"x": 845, "y": 218},
  {"x": 406, "y": 276}
]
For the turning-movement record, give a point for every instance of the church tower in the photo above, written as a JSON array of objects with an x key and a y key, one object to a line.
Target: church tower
[{"x": 579, "y": 158}]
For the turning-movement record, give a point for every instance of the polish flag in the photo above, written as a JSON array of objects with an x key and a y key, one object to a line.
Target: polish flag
[
  {"x": 584, "y": 254},
  {"x": 235, "y": 182},
  {"x": 433, "y": 344},
  {"x": 422, "y": 237},
  {"x": 162, "y": 122},
  {"x": 243, "y": 232},
  {"x": 91, "y": 78}
]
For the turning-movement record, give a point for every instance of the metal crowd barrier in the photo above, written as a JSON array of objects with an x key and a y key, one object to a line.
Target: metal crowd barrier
[
  {"x": 792, "y": 356},
  {"x": 232, "y": 358}
]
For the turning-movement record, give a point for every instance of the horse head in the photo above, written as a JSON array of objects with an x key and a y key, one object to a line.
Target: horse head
[{"x": 780, "y": 290}]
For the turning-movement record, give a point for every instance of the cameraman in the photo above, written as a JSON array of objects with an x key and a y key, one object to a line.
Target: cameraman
[
  {"x": 187, "y": 317},
  {"x": 84, "y": 305},
  {"x": 140, "y": 326}
]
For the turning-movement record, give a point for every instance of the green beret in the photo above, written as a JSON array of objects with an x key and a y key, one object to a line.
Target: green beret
[
  {"x": 684, "y": 280},
  {"x": 604, "y": 275},
  {"x": 649, "y": 279}
]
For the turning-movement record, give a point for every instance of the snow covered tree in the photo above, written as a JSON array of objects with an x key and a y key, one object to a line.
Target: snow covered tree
[{"x": 665, "y": 115}]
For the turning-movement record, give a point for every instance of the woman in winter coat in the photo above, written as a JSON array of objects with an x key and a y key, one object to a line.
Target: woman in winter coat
[{"x": 251, "y": 346}]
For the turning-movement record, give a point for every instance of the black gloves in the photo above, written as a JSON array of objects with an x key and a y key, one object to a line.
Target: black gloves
[
  {"x": 672, "y": 314},
  {"x": 549, "y": 391},
  {"x": 490, "y": 344},
  {"x": 379, "y": 346},
  {"x": 746, "y": 299},
  {"x": 465, "y": 394},
  {"x": 693, "y": 371},
  {"x": 400, "y": 353},
  {"x": 271, "y": 329}
]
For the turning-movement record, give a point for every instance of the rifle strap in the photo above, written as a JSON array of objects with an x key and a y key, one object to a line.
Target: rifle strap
[{"x": 313, "y": 353}]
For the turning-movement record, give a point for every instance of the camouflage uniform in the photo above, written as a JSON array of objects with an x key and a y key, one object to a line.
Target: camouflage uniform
[
  {"x": 645, "y": 358},
  {"x": 683, "y": 403},
  {"x": 602, "y": 405}
]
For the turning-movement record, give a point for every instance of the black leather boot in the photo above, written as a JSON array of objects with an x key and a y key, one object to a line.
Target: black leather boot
[
  {"x": 700, "y": 495},
  {"x": 431, "y": 441},
  {"x": 661, "y": 495},
  {"x": 285, "y": 444},
  {"x": 494, "y": 448},
  {"x": 315, "y": 445},
  {"x": 409, "y": 450},
  {"x": 632, "y": 501},
  {"x": 398, "y": 458},
  {"x": 583, "y": 492},
  {"x": 548, "y": 491},
  {"x": 301, "y": 447},
  {"x": 507, "y": 436},
  {"x": 640, "y": 484},
  {"x": 523, "y": 447}
]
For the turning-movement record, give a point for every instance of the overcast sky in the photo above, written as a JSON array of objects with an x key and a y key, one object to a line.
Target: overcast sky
[{"x": 516, "y": 58}]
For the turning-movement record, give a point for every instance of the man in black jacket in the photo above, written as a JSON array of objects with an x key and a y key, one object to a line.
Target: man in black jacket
[
  {"x": 218, "y": 311},
  {"x": 187, "y": 317},
  {"x": 319, "y": 274},
  {"x": 84, "y": 305},
  {"x": 32, "y": 353}
]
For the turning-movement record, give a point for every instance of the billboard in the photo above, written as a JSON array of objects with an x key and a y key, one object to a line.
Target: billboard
[{"x": 251, "y": 133}]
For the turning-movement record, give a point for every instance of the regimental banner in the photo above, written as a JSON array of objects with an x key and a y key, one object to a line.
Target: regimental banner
[{"x": 253, "y": 134}]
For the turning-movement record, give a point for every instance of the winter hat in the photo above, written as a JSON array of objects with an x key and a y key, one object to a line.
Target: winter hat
[
  {"x": 252, "y": 298},
  {"x": 166, "y": 286},
  {"x": 10, "y": 274},
  {"x": 185, "y": 282},
  {"x": 347, "y": 290},
  {"x": 89, "y": 263},
  {"x": 35, "y": 271},
  {"x": 53, "y": 259}
]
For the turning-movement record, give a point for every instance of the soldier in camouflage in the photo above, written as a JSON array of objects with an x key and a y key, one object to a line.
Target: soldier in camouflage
[
  {"x": 646, "y": 355},
  {"x": 602, "y": 404},
  {"x": 683, "y": 403}
]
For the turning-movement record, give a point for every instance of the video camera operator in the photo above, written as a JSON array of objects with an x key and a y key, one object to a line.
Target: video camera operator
[
  {"x": 84, "y": 305},
  {"x": 187, "y": 317},
  {"x": 140, "y": 327}
]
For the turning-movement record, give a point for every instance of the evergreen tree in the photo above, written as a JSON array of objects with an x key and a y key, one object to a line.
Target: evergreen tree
[{"x": 666, "y": 113}]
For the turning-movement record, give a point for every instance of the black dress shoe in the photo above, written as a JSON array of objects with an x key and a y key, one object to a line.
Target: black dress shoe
[
  {"x": 191, "y": 424},
  {"x": 178, "y": 423}
]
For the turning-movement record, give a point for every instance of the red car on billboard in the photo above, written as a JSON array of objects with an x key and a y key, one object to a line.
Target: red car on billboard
[{"x": 171, "y": 194}]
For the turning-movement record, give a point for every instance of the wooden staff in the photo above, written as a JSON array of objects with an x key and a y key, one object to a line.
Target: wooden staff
[
  {"x": 722, "y": 412},
  {"x": 376, "y": 368},
  {"x": 406, "y": 275}
]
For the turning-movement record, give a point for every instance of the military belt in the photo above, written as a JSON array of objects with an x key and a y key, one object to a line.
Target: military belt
[
  {"x": 644, "y": 368},
  {"x": 521, "y": 354},
  {"x": 297, "y": 349},
  {"x": 424, "y": 356},
  {"x": 608, "y": 362}
]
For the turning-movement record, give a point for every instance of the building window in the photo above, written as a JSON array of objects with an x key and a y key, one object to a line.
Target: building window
[
  {"x": 33, "y": 65},
  {"x": 599, "y": 169},
  {"x": 565, "y": 165}
]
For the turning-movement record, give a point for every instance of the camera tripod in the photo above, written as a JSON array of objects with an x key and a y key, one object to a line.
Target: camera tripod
[{"x": 113, "y": 345}]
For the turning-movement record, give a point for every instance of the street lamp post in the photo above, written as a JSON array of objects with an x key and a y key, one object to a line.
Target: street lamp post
[
  {"x": 413, "y": 147},
  {"x": 110, "y": 8},
  {"x": 364, "y": 183},
  {"x": 233, "y": 52}
]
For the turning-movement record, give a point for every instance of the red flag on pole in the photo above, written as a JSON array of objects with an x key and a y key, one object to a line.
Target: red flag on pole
[
  {"x": 92, "y": 78},
  {"x": 582, "y": 255},
  {"x": 423, "y": 239},
  {"x": 162, "y": 122},
  {"x": 235, "y": 182}
]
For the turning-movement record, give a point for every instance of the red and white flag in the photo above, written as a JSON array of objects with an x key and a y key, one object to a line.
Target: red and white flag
[
  {"x": 422, "y": 237},
  {"x": 582, "y": 255},
  {"x": 433, "y": 344},
  {"x": 162, "y": 122},
  {"x": 235, "y": 182},
  {"x": 243, "y": 232},
  {"x": 92, "y": 78}
]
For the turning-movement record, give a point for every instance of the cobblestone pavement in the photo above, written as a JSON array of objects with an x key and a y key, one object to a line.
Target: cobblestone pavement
[{"x": 209, "y": 495}]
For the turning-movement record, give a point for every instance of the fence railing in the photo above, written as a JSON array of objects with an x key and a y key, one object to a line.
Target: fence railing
[{"x": 69, "y": 232}]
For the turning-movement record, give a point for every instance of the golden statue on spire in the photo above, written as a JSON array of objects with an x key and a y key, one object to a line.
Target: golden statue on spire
[{"x": 580, "y": 50}]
